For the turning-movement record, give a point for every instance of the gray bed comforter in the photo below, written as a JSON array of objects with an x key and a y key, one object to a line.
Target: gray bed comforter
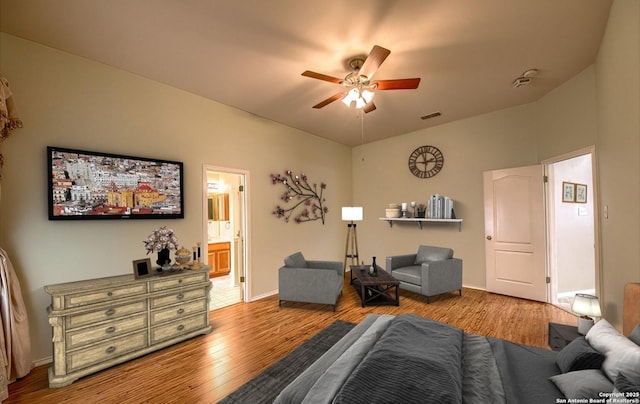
[{"x": 411, "y": 359}]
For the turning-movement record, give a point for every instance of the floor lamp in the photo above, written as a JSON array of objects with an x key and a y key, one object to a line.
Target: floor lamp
[{"x": 351, "y": 214}]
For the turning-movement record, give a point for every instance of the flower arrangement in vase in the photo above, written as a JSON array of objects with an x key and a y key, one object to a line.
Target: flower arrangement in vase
[{"x": 161, "y": 240}]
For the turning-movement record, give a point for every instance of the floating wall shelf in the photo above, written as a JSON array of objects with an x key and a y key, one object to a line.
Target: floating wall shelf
[{"x": 419, "y": 221}]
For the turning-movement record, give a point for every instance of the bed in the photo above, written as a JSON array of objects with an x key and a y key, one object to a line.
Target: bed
[{"x": 412, "y": 359}]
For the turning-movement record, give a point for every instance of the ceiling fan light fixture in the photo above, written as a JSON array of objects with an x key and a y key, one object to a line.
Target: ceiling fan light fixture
[
  {"x": 357, "y": 84},
  {"x": 360, "y": 97},
  {"x": 352, "y": 95},
  {"x": 367, "y": 95}
]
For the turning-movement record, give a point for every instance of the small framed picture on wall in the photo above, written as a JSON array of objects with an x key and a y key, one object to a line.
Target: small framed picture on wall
[
  {"x": 568, "y": 192},
  {"x": 581, "y": 193}
]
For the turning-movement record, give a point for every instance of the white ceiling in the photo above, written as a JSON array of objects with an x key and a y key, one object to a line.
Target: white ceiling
[{"x": 250, "y": 54}]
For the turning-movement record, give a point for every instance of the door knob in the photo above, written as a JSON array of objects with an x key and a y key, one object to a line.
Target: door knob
[{"x": 488, "y": 237}]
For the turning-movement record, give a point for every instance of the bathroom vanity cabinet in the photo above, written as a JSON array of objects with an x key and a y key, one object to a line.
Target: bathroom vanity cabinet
[{"x": 219, "y": 259}]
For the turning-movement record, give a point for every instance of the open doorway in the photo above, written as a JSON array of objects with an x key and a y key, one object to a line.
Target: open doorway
[
  {"x": 572, "y": 247},
  {"x": 225, "y": 234}
]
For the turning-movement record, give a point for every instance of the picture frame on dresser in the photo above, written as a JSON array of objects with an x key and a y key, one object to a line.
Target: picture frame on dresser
[{"x": 142, "y": 268}]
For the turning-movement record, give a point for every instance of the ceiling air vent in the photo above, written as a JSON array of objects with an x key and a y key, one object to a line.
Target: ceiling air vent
[
  {"x": 521, "y": 81},
  {"x": 431, "y": 115},
  {"x": 525, "y": 79}
]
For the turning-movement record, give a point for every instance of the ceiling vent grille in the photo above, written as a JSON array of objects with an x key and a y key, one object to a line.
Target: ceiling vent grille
[
  {"x": 431, "y": 115},
  {"x": 521, "y": 81}
]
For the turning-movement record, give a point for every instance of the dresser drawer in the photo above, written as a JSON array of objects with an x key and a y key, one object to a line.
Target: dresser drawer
[
  {"x": 106, "y": 351},
  {"x": 104, "y": 295},
  {"x": 107, "y": 313},
  {"x": 178, "y": 327},
  {"x": 174, "y": 281},
  {"x": 80, "y": 337},
  {"x": 178, "y": 311},
  {"x": 177, "y": 297}
]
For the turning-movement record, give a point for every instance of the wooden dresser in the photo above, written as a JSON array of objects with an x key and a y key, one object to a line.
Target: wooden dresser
[{"x": 102, "y": 322}]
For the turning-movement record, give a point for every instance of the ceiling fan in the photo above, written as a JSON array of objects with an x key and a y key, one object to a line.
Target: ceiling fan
[{"x": 358, "y": 85}]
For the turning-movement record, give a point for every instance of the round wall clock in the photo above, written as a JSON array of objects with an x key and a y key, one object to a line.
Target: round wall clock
[{"x": 426, "y": 161}]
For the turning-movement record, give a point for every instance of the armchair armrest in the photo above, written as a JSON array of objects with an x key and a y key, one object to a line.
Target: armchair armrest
[
  {"x": 332, "y": 265},
  {"x": 399, "y": 261},
  {"x": 441, "y": 276}
]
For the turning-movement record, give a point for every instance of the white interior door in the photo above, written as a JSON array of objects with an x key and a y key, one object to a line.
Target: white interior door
[
  {"x": 514, "y": 232},
  {"x": 572, "y": 246},
  {"x": 231, "y": 288}
]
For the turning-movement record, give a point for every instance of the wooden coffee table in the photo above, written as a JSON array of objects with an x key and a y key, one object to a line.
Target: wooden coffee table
[{"x": 374, "y": 289}]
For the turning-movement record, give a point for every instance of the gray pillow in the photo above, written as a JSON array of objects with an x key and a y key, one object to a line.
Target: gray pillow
[
  {"x": 296, "y": 261},
  {"x": 587, "y": 383},
  {"x": 429, "y": 253},
  {"x": 579, "y": 355},
  {"x": 624, "y": 385},
  {"x": 635, "y": 334}
]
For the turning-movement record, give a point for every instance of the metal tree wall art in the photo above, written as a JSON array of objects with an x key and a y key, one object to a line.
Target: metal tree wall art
[{"x": 300, "y": 196}]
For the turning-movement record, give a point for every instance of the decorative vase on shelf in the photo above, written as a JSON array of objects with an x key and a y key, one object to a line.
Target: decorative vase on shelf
[
  {"x": 163, "y": 257},
  {"x": 374, "y": 268}
]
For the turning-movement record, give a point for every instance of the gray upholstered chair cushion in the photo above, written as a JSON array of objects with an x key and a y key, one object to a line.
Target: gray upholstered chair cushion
[
  {"x": 430, "y": 254},
  {"x": 411, "y": 274},
  {"x": 295, "y": 260}
]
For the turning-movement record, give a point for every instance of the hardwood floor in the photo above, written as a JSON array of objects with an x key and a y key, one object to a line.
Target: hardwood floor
[{"x": 248, "y": 337}]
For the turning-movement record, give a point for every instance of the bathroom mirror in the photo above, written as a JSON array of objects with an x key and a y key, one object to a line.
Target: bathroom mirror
[{"x": 218, "y": 206}]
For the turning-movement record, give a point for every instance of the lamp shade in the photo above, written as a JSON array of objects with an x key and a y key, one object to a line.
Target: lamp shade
[
  {"x": 352, "y": 213},
  {"x": 586, "y": 305}
]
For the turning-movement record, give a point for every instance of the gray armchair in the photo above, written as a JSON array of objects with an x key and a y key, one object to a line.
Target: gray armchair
[
  {"x": 310, "y": 281},
  {"x": 431, "y": 271}
]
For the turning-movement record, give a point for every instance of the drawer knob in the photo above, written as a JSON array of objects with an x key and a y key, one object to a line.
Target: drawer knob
[
  {"x": 181, "y": 327},
  {"x": 111, "y": 330},
  {"x": 110, "y": 312},
  {"x": 180, "y": 311},
  {"x": 180, "y": 281},
  {"x": 110, "y": 350},
  {"x": 110, "y": 294},
  {"x": 180, "y": 296}
]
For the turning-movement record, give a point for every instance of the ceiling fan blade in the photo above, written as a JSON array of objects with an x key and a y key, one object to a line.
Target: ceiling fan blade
[
  {"x": 398, "y": 84},
  {"x": 321, "y": 76},
  {"x": 369, "y": 107},
  {"x": 328, "y": 100},
  {"x": 377, "y": 55}
]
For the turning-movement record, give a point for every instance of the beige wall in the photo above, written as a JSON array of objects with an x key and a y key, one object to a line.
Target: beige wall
[
  {"x": 471, "y": 146},
  {"x": 566, "y": 118},
  {"x": 72, "y": 102},
  {"x": 618, "y": 88}
]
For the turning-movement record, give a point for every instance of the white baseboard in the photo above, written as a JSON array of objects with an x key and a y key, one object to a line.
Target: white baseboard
[
  {"x": 474, "y": 287},
  {"x": 275, "y": 292},
  {"x": 262, "y": 296}
]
